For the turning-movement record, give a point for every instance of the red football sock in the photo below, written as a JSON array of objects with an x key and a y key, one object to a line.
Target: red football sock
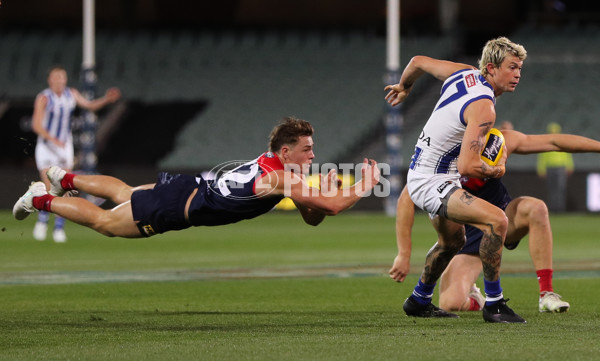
[
  {"x": 43, "y": 202},
  {"x": 544, "y": 277},
  {"x": 474, "y": 306},
  {"x": 67, "y": 182}
]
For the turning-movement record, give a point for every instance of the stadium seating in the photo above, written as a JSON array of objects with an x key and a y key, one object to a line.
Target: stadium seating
[
  {"x": 250, "y": 79},
  {"x": 333, "y": 78}
]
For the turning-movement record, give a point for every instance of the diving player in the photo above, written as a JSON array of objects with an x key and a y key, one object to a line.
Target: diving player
[{"x": 180, "y": 201}]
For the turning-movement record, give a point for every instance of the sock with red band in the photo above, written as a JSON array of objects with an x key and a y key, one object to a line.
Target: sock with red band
[
  {"x": 67, "y": 182},
  {"x": 43, "y": 202},
  {"x": 544, "y": 277}
]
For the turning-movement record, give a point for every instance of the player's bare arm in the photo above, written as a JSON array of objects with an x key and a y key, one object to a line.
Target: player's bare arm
[
  {"x": 521, "y": 143},
  {"x": 405, "y": 216},
  {"x": 419, "y": 65},
  {"x": 111, "y": 96},
  {"x": 311, "y": 216},
  {"x": 480, "y": 117},
  {"x": 331, "y": 202},
  {"x": 328, "y": 183}
]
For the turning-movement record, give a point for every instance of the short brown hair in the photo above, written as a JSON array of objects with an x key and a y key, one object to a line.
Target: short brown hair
[{"x": 287, "y": 132}]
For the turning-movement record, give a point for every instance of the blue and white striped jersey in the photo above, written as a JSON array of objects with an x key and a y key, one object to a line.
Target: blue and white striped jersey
[
  {"x": 438, "y": 146},
  {"x": 57, "y": 117}
]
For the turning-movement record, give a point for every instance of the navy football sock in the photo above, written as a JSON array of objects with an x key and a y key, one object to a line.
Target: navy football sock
[
  {"x": 423, "y": 292},
  {"x": 493, "y": 292}
]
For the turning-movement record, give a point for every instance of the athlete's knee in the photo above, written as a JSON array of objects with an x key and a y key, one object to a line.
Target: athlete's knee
[
  {"x": 538, "y": 211},
  {"x": 498, "y": 223}
]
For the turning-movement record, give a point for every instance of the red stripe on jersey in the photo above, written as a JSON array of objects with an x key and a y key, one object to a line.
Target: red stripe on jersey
[{"x": 268, "y": 162}]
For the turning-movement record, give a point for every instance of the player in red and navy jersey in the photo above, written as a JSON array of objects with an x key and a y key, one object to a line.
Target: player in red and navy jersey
[
  {"x": 526, "y": 215},
  {"x": 179, "y": 201}
]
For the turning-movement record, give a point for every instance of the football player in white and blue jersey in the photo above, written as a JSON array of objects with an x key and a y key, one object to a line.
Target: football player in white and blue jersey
[
  {"x": 526, "y": 216},
  {"x": 52, "y": 112},
  {"x": 449, "y": 147}
]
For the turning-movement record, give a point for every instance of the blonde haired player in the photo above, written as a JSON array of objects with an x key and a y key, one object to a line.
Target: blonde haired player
[
  {"x": 526, "y": 215},
  {"x": 52, "y": 112},
  {"x": 449, "y": 146}
]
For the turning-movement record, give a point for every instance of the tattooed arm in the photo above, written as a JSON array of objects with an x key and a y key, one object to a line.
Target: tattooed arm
[{"x": 480, "y": 116}]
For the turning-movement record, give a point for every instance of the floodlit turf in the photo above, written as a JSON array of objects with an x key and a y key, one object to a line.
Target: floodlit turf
[{"x": 273, "y": 289}]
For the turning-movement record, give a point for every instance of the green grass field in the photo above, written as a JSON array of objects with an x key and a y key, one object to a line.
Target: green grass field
[{"x": 274, "y": 289}]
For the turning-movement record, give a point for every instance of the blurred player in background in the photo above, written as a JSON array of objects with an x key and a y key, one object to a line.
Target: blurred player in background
[
  {"x": 526, "y": 215},
  {"x": 555, "y": 168},
  {"x": 52, "y": 113},
  {"x": 180, "y": 201},
  {"x": 449, "y": 147}
]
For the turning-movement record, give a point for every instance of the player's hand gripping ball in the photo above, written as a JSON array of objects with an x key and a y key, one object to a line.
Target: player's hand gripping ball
[{"x": 494, "y": 144}]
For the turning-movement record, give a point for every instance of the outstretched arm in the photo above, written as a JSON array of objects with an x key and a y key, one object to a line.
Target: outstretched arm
[
  {"x": 419, "y": 65},
  {"x": 405, "y": 217},
  {"x": 521, "y": 143},
  {"x": 111, "y": 96},
  {"x": 325, "y": 201}
]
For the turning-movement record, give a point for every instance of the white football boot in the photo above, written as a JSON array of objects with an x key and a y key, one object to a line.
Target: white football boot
[
  {"x": 24, "y": 206},
  {"x": 55, "y": 175},
  {"x": 551, "y": 302}
]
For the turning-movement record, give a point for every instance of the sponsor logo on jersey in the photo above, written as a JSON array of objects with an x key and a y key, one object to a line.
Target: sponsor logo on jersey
[
  {"x": 269, "y": 155},
  {"x": 470, "y": 80},
  {"x": 443, "y": 186}
]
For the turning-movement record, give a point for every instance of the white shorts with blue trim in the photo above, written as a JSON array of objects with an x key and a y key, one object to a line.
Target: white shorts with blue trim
[{"x": 428, "y": 190}]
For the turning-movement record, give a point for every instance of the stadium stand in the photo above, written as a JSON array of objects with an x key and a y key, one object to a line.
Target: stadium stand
[
  {"x": 250, "y": 79},
  {"x": 333, "y": 78}
]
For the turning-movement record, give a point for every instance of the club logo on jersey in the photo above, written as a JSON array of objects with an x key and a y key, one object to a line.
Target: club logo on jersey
[
  {"x": 443, "y": 186},
  {"x": 470, "y": 80}
]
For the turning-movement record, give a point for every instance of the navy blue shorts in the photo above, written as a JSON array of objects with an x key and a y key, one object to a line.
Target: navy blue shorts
[
  {"x": 162, "y": 208},
  {"x": 474, "y": 241},
  {"x": 494, "y": 192}
]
